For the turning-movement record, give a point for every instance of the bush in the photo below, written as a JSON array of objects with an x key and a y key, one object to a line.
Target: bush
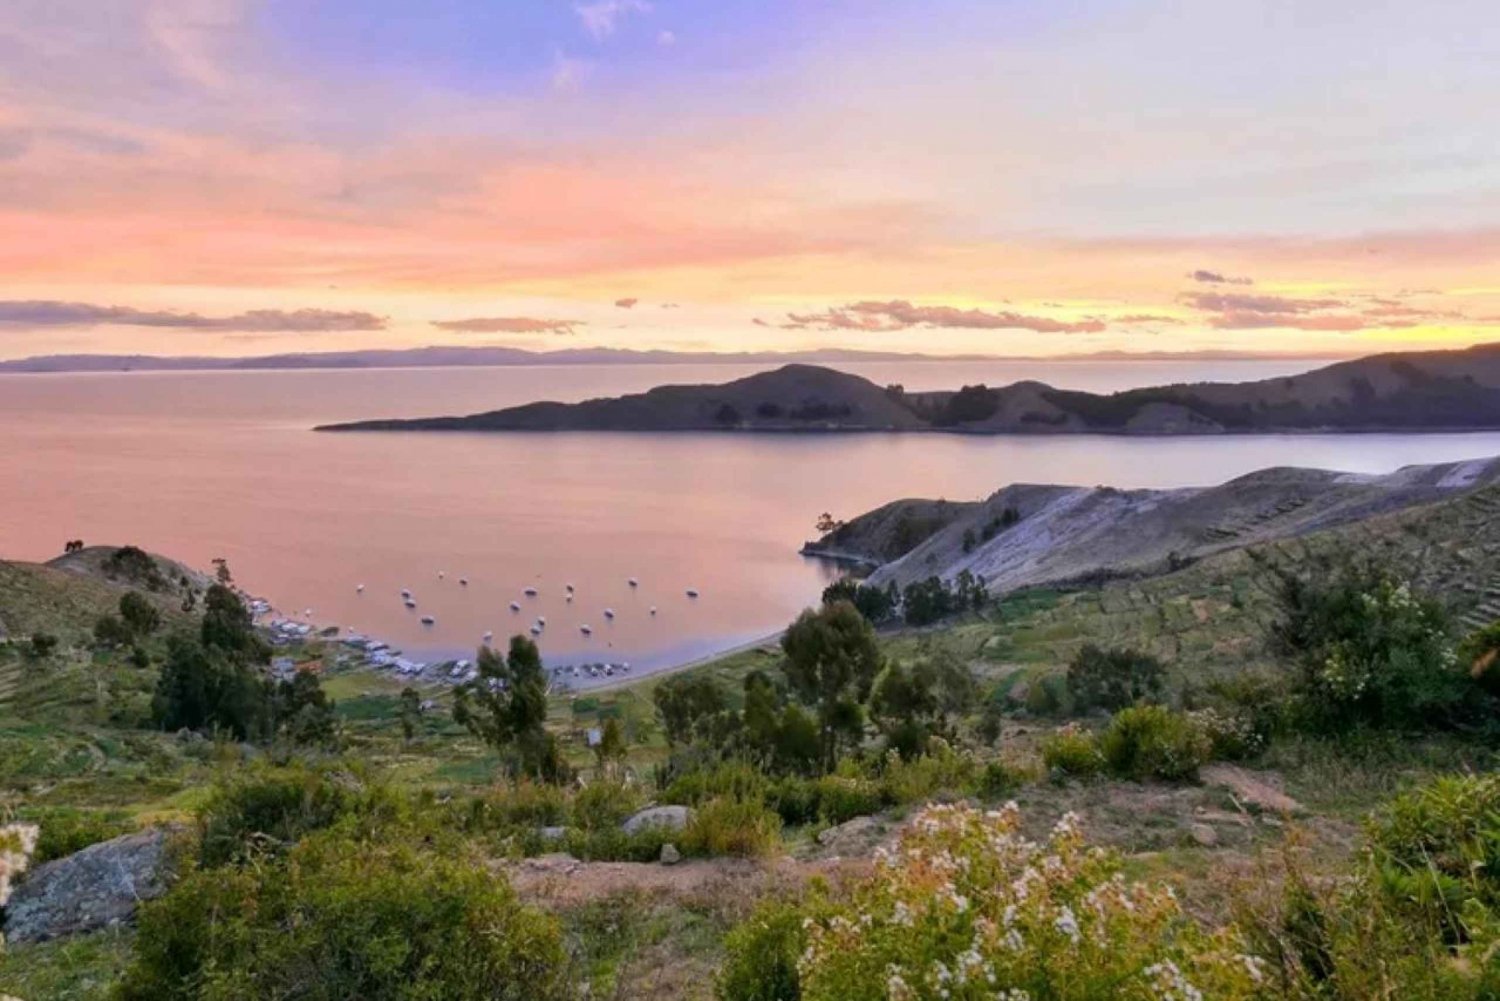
[
  {"x": 1000, "y": 779},
  {"x": 941, "y": 769},
  {"x": 1048, "y": 696},
  {"x": 737, "y": 779},
  {"x": 1150, "y": 742},
  {"x": 728, "y": 826},
  {"x": 846, "y": 795},
  {"x": 343, "y": 918},
  {"x": 1437, "y": 851},
  {"x": 1370, "y": 652},
  {"x": 761, "y": 955},
  {"x": 969, "y": 908},
  {"x": 1072, "y": 752},
  {"x": 522, "y": 802},
  {"x": 267, "y": 809},
  {"x": 603, "y": 805},
  {"x": 65, "y": 830},
  {"x": 1113, "y": 679},
  {"x": 1231, "y": 736}
]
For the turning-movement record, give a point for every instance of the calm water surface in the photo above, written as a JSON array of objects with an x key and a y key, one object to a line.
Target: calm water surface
[{"x": 201, "y": 465}]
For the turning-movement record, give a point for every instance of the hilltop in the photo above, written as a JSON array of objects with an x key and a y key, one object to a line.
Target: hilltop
[
  {"x": 1435, "y": 390},
  {"x": 1030, "y": 535}
]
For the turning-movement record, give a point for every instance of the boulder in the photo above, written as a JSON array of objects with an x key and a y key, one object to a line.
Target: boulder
[
  {"x": 668, "y": 818},
  {"x": 670, "y": 855},
  {"x": 1204, "y": 835},
  {"x": 101, "y": 885},
  {"x": 1258, "y": 791}
]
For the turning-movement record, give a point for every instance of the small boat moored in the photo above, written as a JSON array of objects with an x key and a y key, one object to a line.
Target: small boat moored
[
  {"x": 633, "y": 582},
  {"x": 586, "y": 630},
  {"x": 515, "y": 606},
  {"x": 609, "y": 613},
  {"x": 530, "y": 592},
  {"x": 692, "y": 592},
  {"x": 428, "y": 620}
]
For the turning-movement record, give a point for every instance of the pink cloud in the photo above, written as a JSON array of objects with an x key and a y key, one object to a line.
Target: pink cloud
[{"x": 899, "y": 314}]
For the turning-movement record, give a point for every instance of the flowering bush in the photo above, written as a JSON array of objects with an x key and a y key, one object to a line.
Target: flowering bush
[
  {"x": 1370, "y": 651},
  {"x": 967, "y": 908},
  {"x": 17, "y": 842},
  {"x": 1232, "y": 736}
]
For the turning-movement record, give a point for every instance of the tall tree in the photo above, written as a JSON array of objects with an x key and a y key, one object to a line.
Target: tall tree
[
  {"x": 831, "y": 662},
  {"x": 505, "y": 705}
]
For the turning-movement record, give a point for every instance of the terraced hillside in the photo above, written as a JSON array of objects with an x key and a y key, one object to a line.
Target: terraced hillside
[
  {"x": 1210, "y": 619},
  {"x": 1034, "y": 536}
]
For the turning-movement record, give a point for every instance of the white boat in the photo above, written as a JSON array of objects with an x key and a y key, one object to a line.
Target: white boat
[
  {"x": 515, "y": 606},
  {"x": 692, "y": 592},
  {"x": 442, "y": 574},
  {"x": 541, "y": 620},
  {"x": 653, "y": 609},
  {"x": 633, "y": 582},
  {"x": 530, "y": 592},
  {"x": 489, "y": 634},
  {"x": 410, "y": 603},
  {"x": 360, "y": 588},
  {"x": 405, "y": 593},
  {"x": 536, "y": 630},
  {"x": 586, "y": 630},
  {"x": 464, "y": 581},
  {"x": 428, "y": 620},
  {"x": 568, "y": 598},
  {"x": 568, "y": 588},
  {"x": 609, "y": 613}
]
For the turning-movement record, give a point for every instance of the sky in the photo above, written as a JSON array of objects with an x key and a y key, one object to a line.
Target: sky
[{"x": 1002, "y": 177}]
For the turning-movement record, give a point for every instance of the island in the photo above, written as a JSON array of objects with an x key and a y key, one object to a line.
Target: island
[{"x": 1412, "y": 391}]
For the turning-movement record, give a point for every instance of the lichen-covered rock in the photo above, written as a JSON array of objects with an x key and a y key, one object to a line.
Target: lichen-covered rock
[
  {"x": 668, "y": 818},
  {"x": 670, "y": 855},
  {"x": 101, "y": 885}
]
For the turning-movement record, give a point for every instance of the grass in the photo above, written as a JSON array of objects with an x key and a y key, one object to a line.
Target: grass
[{"x": 82, "y": 968}]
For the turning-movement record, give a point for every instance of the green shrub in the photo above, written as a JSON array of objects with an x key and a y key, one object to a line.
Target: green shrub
[
  {"x": 1437, "y": 849},
  {"x": 738, "y": 779},
  {"x": 605, "y": 844},
  {"x": 65, "y": 830},
  {"x": 795, "y": 800},
  {"x": 1151, "y": 742},
  {"x": 345, "y": 918},
  {"x": 1048, "y": 696},
  {"x": 266, "y": 809},
  {"x": 1370, "y": 652},
  {"x": 602, "y": 805},
  {"x": 1114, "y": 679},
  {"x": 1072, "y": 751},
  {"x": 728, "y": 826},
  {"x": 761, "y": 955},
  {"x": 999, "y": 779},
  {"x": 843, "y": 797},
  {"x": 940, "y": 770}
]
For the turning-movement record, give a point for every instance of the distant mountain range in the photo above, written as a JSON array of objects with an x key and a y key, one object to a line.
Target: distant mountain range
[
  {"x": 458, "y": 356},
  {"x": 1415, "y": 391}
]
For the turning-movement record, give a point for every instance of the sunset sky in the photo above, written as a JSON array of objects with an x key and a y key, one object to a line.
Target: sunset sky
[{"x": 1009, "y": 177}]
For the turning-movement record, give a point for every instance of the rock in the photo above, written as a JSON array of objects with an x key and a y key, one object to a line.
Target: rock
[
  {"x": 101, "y": 885},
  {"x": 1250, "y": 789},
  {"x": 670, "y": 855},
  {"x": 554, "y": 862},
  {"x": 852, "y": 836},
  {"x": 1204, "y": 835},
  {"x": 669, "y": 818}
]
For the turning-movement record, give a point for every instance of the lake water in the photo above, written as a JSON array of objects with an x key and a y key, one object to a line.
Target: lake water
[{"x": 201, "y": 465}]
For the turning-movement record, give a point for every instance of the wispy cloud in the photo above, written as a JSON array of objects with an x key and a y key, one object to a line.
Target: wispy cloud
[
  {"x": 508, "y": 325},
  {"x": 49, "y": 313},
  {"x": 1217, "y": 278},
  {"x": 666, "y": 39},
  {"x": 1232, "y": 302},
  {"x": 1145, "y": 318},
  {"x": 568, "y": 72},
  {"x": 626, "y": 303},
  {"x": 600, "y": 19},
  {"x": 898, "y": 314}
]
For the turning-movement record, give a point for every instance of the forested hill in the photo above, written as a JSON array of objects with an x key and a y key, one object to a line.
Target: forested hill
[{"x": 1393, "y": 392}]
